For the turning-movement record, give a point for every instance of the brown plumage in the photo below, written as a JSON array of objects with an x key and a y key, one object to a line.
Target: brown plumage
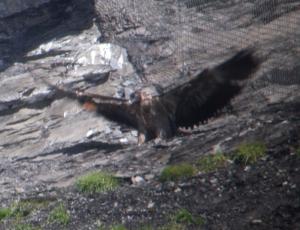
[{"x": 158, "y": 114}]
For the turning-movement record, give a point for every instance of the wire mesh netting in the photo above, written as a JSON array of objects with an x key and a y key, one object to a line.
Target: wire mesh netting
[{"x": 195, "y": 34}]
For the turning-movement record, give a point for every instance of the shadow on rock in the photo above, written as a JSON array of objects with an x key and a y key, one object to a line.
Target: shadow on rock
[{"x": 28, "y": 29}]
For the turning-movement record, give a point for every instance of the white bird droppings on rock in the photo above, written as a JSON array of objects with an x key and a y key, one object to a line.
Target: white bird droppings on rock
[
  {"x": 247, "y": 168},
  {"x": 137, "y": 180},
  {"x": 177, "y": 190},
  {"x": 19, "y": 189},
  {"x": 150, "y": 204},
  {"x": 256, "y": 221},
  {"x": 217, "y": 148},
  {"x": 285, "y": 183},
  {"x": 90, "y": 133},
  {"x": 124, "y": 140},
  {"x": 149, "y": 176},
  {"x": 213, "y": 181},
  {"x": 134, "y": 133}
]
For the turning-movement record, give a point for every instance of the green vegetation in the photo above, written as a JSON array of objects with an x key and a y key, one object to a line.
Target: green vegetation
[
  {"x": 173, "y": 226},
  {"x": 249, "y": 153},
  {"x": 211, "y": 162},
  {"x": 59, "y": 215},
  {"x": 176, "y": 172},
  {"x": 181, "y": 220},
  {"x": 96, "y": 182},
  {"x": 183, "y": 216},
  {"x": 26, "y": 207},
  {"x": 118, "y": 227},
  {"x": 112, "y": 227},
  {"x": 146, "y": 227},
  {"x": 170, "y": 226},
  {"x": 25, "y": 227},
  {"x": 19, "y": 210},
  {"x": 22, "y": 208},
  {"x": 5, "y": 212}
]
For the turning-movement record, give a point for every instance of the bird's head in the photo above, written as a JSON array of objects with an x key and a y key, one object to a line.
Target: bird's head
[{"x": 146, "y": 95}]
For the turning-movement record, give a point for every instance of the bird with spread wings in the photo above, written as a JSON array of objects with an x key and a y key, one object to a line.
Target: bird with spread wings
[{"x": 159, "y": 114}]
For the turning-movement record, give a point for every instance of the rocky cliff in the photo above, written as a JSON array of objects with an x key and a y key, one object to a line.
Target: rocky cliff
[{"x": 114, "y": 47}]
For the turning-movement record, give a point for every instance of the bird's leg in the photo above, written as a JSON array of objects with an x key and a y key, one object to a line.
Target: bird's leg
[{"x": 141, "y": 138}]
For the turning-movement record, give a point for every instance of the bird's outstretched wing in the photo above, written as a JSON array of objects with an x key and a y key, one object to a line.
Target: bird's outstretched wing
[
  {"x": 116, "y": 109},
  {"x": 211, "y": 90}
]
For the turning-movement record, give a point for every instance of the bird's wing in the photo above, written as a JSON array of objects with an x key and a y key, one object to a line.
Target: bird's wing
[
  {"x": 211, "y": 90},
  {"x": 116, "y": 109}
]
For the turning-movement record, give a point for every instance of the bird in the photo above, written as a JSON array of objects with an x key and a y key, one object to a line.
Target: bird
[{"x": 157, "y": 113}]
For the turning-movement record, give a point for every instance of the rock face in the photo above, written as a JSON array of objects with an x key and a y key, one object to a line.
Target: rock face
[
  {"x": 9, "y": 8},
  {"x": 114, "y": 47}
]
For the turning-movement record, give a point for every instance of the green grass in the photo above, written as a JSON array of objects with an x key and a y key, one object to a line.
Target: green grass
[
  {"x": 180, "y": 220},
  {"x": 183, "y": 216},
  {"x": 173, "y": 226},
  {"x": 5, "y": 212},
  {"x": 146, "y": 227},
  {"x": 176, "y": 172},
  {"x": 212, "y": 162},
  {"x": 249, "y": 153},
  {"x": 170, "y": 226},
  {"x": 112, "y": 227},
  {"x": 23, "y": 208},
  {"x": 25, "y": 227},
  {"x": 26, "y": 207},
  {"x": 118, "y": 227},
  {"x": 96, "y": 182},
  {"x": 59, "y": 215}
]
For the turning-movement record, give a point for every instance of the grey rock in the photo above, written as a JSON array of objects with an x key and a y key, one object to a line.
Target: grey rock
[
  {"x": 47, "y": 141},
  {"x": 9, "y": 7},
  {"x": 103, "y": 54}
]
